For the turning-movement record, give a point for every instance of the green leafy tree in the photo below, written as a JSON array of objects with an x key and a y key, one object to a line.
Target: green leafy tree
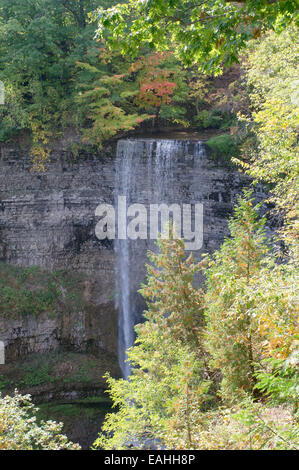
[
  {"x": 210, "y": 32},
  {"x": 163, "y": 88},
  {"x": 272, "y": 68},
  {"x": 19, "y": 429},
  {"x": 252, "y": 335},
  {"x": 277, "y": 313},
  {"x": 116, "y": 95},
  {"x": 41, "y": 41},
  {"x": 58, "y": 78},
  {"x": 103, "y": 101}
]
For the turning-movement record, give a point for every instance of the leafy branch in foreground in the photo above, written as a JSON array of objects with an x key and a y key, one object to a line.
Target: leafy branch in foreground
[
  {"x": 210, "y": 33},
  {"x": 271, "y": 71},
  {"x": 19, "y": 429}
]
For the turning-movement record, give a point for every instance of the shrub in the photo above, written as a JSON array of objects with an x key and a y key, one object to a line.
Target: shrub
[
  {"x": 20, "y": 431},
  {"x": 223, "y": 146}
]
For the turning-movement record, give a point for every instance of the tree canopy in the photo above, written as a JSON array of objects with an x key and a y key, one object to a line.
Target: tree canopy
[
  {"x": 210, "y": 33},
  {"x": 272, "y": 69}
]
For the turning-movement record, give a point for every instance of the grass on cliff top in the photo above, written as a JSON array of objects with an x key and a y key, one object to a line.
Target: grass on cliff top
[{"x": 32, "y": 291}]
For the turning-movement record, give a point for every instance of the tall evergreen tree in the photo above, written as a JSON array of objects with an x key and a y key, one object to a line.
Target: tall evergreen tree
[
  {"x": 231, "y": 331},
  {"x": 162, "y": 399}
]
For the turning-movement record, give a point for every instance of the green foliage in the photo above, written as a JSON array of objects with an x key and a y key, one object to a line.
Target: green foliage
[
  {"x": 273, "y": 158},
  {"x": 57, "y": 369},
  {"x": 81, "y": 374},
  {"x": 36, "y": 65},
  {"x": 26, "y": 301},
  {"x": 116, "y": 95},
  {"x": 277, "y": 311},
  {"x": 223, "y": 146},
  {"x": 250, "y": 332},
  {"x": 90, "y": 408},
  {"x": 208, "y": 119},
  {"x": 13, "y": 115},
  {"x": 267, "y": 428},
  {"x": 232, "y": 336},
  {"x": 105, "y": 98},
  {"x": 41, "y": 43},
  {"x": 271, "y": 75},
  {"x": 58, "y": 79},
  {"x": 19, "y": 429},
  {"x": 248, "y": 426},
  {"x": 173, "y": 303},
  {"x": 210, "y": 33},
  {"x": 107, "y": 119},
  {"x": 280, "y": 380},
  {"x": 163, "y": 397},
  {"x": 214, "y": 119},
  {"x": 31, "y": 291},
  {"x": 163, "y": 88},
  {"x": 4, "y": 383},
  {"x": 37, "y": 376}
]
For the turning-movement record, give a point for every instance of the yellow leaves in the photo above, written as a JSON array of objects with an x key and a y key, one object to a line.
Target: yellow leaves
[
  {"x": 40, "y": 152},
  {"x": 279, "y": 331},
  {"x": 271, "y": 69}
]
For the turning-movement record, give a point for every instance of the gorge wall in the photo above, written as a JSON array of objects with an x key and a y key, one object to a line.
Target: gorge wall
[{"x": 49, "y": 220}]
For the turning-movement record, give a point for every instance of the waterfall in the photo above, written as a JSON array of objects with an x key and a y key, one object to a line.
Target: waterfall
[{"x": 148, "y": 171}]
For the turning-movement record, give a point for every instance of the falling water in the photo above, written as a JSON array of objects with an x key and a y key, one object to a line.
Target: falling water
[{"x": 148, "y": 171}]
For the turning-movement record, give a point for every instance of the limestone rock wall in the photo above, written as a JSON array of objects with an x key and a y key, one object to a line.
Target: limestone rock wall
[{"x": 49, "y": 220}]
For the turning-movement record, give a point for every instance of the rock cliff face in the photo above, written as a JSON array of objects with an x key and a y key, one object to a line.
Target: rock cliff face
[
  {"x": 91, "y": 330},
  {"x": 49, "y": 220}
]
